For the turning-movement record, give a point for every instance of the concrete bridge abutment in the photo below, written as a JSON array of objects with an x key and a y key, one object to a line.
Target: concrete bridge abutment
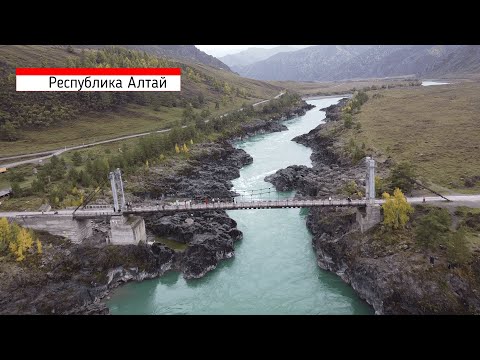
[
  {"x": 124, "y": 230},
  {"x": 368, "y": 217},
  {"x": 127, "y": 230},
  {"x": 73, "y": 229}
]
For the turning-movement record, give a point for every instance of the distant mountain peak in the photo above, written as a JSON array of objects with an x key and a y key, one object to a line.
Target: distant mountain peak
[
  {"x": 253, "y": 54},
  {"x": 343, "y": 62}
]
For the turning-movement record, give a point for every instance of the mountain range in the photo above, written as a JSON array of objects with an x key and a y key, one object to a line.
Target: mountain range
[
  {"x": 343, "y": 62},
  {"x": 252, "y": 55}
]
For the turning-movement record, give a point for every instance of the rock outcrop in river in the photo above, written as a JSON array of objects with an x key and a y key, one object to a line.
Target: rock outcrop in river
[
  {"x": 207, "y": 174},
  {"x": 209, "y": 235}
]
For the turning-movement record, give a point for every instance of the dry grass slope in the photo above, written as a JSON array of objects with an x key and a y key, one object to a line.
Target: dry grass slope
[{"x": 437, "y": 128}]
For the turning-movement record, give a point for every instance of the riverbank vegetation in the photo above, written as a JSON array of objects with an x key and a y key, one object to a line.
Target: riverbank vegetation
[
  {"x": 66, "y": 180},
  {"x": 18, "y": 242},
  {"x": 438, "y": 232}
]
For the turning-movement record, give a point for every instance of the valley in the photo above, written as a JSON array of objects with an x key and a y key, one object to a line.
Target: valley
[{"x": 263, "y": 124}]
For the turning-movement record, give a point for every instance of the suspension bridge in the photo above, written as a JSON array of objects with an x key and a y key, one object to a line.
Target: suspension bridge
[{"x": 128, "y": 227}]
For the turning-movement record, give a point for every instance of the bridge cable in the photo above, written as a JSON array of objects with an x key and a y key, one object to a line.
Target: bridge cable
[
  {"x": 420, "y": 184},
  {"x": 90, "y": 197}
]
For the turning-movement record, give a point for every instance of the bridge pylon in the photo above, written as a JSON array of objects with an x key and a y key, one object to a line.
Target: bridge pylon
[
  {"x": 370, "y": 180},
  {"x": 116, "y": 183}
]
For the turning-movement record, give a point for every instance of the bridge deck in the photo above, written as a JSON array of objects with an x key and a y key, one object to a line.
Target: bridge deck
[
  {"x": 261, "y": 204},
  {"x": 94, "y": 211}
]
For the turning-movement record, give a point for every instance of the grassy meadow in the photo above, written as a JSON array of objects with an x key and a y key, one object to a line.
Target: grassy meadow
[{"x": 437, "y": 128}]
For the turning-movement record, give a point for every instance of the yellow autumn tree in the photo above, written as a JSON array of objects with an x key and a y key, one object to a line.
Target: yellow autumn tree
[
  {"x": 177, "y": 149},
  {"x": 191, "y": 141},
  {"x": 14, "y": 231},
  {"x": 185, "y": 148},
  {"x": 147, "y": 165},
  {"x": 396, "y": 209},
  {"x": 4, "y": 234},
  {"x": 39, "y": 247},
  {"x": 22, "y": 244}
]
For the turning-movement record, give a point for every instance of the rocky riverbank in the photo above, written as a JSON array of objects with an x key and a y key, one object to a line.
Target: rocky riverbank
[
  {"x": 331, "y": 170},
  {"x": 72, "y": 279},
  {"x": 395, "y": 276}
]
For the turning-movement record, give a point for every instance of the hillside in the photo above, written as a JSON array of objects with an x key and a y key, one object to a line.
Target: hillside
[
  {"x": 252, "y": 55},
  {"x": 180, "y": 52},
  {"x": 29, "y": 119},
  {"x": 340, "y": 62},
  {"x": 436, "y": 128}
]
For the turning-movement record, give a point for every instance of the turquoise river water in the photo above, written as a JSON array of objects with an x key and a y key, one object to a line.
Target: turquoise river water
[{"x": 274, "y": 270}]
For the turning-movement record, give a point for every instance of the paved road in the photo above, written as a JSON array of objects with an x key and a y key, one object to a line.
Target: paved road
[
  {"x": 463, "y": 199},
  {"x": 48, "y": 154}
]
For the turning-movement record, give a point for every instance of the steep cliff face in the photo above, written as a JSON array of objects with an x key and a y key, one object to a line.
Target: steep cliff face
[
  {"x": 71, "y": 279},
  {"x": 394, "y": 276}
]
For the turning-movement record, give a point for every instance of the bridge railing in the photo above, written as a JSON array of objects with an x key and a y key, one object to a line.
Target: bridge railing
[{"x": 247, "y": 204}]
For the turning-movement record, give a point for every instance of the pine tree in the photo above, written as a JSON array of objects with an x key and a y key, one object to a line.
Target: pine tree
[{"x": 77, "y": 158}]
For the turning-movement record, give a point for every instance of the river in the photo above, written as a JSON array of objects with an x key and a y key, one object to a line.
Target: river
[
  {"x": 274, "y": 270},
  {"x": 432, "y": 83}
]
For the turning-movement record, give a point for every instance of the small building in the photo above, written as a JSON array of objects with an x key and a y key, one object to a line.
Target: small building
[
  {"x": 2, "y": 170},
  {"x": 5, "y": 192}
]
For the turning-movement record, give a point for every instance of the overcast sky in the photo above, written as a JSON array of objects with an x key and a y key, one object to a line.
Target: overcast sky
[{"x": 222, "y": 50}]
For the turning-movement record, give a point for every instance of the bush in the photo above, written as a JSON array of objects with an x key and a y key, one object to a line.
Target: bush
[
  {"x": 347, "y": 121},
  {"x": 432, "y": 229},
  {"x": 8, "y": 132},
  {"x": 17, "y": 191},
  {"x": 457, "y": 247}
]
